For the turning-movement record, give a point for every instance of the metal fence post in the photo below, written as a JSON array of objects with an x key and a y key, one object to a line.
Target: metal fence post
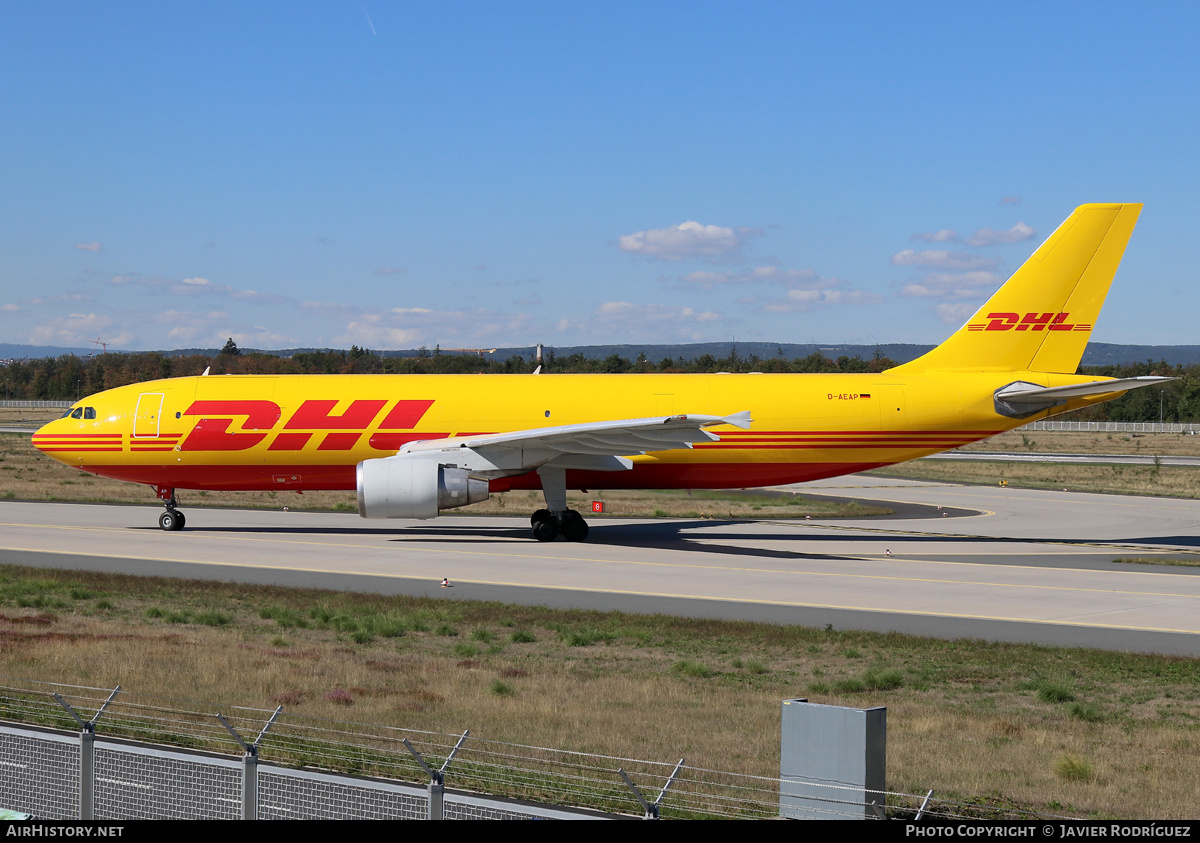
[
  {"x": 250, "y": 765},
  {"x": 87, "y": 755},
  {"x": 87, "y": 772},
  {"x": 437, "y": 778},
  {"x": 651, "y": 809}
]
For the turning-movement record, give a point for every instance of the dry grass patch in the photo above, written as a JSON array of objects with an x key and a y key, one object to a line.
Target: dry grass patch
[
  {"x": 1161, "y": 481},
  {"x": 1072, "y": 442},
  {"x": 1180, "y": 561},
  {"x": 32, "y": 417}
]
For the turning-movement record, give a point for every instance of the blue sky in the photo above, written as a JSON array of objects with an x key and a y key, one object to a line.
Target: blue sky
[{"x": 495, "y": 174}]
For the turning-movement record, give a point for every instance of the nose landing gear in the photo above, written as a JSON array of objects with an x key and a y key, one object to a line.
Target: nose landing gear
[{"x": 172, "y": 519}]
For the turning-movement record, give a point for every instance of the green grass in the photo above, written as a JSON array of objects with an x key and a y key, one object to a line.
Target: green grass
[
  {"x": 501, "y": 689},
  {"x": 1074, "y": 769},
  {"x": 1182, "y": 561},
  {"x": 693, "y": 669}
]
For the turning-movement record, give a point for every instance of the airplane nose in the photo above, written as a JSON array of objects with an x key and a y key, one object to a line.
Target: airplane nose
[{"x": 43, "y": 437}]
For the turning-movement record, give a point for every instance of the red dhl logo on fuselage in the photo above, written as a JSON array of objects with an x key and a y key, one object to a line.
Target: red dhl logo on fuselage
[
  {"x": 313, "y": 419},
  {"x": 1027, "y": 322}
]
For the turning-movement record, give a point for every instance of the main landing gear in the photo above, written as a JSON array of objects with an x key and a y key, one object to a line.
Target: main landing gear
[
  {"x": 556, "y": 519},
  {"x": 548, "y": 525},
  {"x": 172, "y": 519}
]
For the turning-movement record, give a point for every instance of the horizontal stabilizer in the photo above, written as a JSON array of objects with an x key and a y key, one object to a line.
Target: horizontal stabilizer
[{"x": 1023, "y": 398}]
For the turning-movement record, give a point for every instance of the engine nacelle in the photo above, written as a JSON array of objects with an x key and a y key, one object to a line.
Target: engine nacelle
[{"x": 414, "y": 487}]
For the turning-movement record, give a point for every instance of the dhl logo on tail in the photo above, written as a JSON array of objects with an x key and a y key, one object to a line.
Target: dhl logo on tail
[{"x": 1028, "y": 322}]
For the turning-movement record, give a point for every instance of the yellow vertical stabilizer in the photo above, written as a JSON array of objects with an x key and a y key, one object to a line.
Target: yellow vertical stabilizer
[{"x": 1042, "y": 318}]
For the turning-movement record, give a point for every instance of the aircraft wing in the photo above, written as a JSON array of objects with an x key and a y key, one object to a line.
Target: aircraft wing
[{"x": 593, "y": 445}]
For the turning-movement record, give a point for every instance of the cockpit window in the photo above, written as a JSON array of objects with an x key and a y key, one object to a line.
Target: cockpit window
[
  {"x": 77, "y": 413},
  {"x": 89, "y": 412}
]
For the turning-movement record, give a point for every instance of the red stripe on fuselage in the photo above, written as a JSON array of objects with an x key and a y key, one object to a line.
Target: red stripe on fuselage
[{"x": 342, "y": 477}]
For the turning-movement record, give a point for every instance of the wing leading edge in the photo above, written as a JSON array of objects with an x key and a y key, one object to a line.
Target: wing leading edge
[{"x": 594, "y": 445}]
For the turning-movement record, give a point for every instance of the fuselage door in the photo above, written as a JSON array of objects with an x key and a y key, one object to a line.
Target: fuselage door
[
  {"x": 149, "y": 409},
  {"x": 893, "y": 409}
]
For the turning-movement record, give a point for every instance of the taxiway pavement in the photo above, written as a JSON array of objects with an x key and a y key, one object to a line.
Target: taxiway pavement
[{"x": 1029, "y": 566}]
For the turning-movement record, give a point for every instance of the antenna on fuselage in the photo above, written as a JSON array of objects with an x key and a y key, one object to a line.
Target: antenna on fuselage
[{"x": 205, "y": 372}]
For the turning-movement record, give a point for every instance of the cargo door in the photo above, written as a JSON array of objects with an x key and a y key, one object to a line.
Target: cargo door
[
  {"x": 149, "y": 412},
  {"x": 893, "y": 409}
]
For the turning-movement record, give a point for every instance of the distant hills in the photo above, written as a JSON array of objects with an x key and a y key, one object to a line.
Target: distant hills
[{"x": 1097, "y": 353}]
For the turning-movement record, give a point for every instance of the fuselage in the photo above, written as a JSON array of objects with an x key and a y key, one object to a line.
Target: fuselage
[{"x": 307, "y": 432}]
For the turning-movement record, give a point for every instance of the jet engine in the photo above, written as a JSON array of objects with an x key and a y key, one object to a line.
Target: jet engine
[{"x": 414, "y": 487}]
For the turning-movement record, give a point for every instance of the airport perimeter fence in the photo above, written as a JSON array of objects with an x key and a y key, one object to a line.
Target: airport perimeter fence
[
  {"x": 1113, "y": 427},
  {"x": 34, "y": 405},
  {"x": 72, "y": 752}
]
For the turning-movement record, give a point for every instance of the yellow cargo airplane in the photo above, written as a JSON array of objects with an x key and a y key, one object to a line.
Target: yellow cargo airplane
[{"x": 413, "y": 445}]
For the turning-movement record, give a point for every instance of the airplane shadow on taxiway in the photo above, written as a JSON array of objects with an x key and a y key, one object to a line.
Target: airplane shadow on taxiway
[
  {"x": 726, "y": 536},
  {"x": 658, "y": 535}
]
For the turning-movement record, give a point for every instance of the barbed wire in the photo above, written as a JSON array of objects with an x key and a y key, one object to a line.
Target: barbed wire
[{"x": 557, "y": 776}]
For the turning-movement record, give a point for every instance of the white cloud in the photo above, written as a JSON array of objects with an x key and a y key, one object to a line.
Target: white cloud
[
  {"x": 709, "y": 280},
  {"x": 787, "y": 277},
  {"x": 257, "y": 337},
  {"x": 326, "y": 306},
  {"x": 990, "y": 236},
  {"x": 212, "y": 328},
  {"x": 624, "y": 320},
  {"x": 805, "y": 300},
  {"x": 945, "y": 235},
  {"x": 806, "y": 290},
  {"x": 94, "y": 246},
  {"x": 196, "y": 286},
  {"x": 956, "y": 313},
  {"x": 190, "y": 328},
  {"x": 76, "y": 329},
  {"x": 408, "y": 327},
  {"x": 391, "y": 270},
  {"x": 687, "y": 240},
  {"x": 941, "y": 259},
  {"x": 952, "y": 285},
  {"x": 10, "y": 308},
  {"x": 772, "y": 274}
]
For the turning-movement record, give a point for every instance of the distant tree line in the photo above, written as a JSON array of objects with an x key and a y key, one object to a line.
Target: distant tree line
[{"x": 70, "y": 377}]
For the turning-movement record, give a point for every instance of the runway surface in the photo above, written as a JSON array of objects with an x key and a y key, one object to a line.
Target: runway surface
[{"x": 1030, "y": 566}]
